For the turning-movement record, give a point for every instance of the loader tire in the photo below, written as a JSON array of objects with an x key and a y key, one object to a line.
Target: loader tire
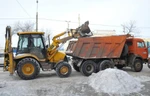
[
  {"x": 28, "y": 68},
  {"x": 105, "y": 64},
  {"x": 88, "y": 67},
  {"x": 137, "y": 65},
  {"x": 63, "y": 69},
  {"x": 76, "y": 67}
]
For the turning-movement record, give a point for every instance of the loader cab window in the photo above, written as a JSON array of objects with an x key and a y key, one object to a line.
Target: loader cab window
[
  {"x": 37, "y": 41},
  {"x": 23, "y": 44},
  {"x": 32, "y": 44}
]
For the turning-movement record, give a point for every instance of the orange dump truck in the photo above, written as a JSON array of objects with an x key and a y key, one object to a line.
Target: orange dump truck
[{"x": 92, "y": 54}]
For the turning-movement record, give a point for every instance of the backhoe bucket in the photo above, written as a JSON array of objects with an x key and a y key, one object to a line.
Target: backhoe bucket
[{"x": 84, "y": 30}]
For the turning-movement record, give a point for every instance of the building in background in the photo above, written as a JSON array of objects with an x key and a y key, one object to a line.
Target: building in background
[
  {"x": 104, "y": 32},
  {"x": 147, "y": 42}
]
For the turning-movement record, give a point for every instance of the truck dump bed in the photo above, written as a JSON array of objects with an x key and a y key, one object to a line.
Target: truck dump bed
[{"x": 97, "y": 47}]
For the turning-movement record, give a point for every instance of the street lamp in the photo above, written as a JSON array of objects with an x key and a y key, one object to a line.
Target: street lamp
[{"x": 37, "y": 16}]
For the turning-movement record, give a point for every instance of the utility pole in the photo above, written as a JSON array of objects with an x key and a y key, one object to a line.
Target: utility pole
[
  {"x": 37, "y": 16},
  {"x": 68, "y": 25},
  {"x": 79, "y": 19}
]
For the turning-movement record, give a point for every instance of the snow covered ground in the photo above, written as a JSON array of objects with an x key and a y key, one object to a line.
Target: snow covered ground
[{"x": 106, "y": 83}]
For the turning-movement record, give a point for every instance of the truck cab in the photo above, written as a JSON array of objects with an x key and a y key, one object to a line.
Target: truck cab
[{"x": 137, "y": 46}]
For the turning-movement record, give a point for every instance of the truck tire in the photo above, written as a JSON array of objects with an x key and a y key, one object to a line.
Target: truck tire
[
  {"x": 137, "y": 65},
  {"x": 63, "y": 69},
  {"x": 76, "y": 67},
  {"x": 88, "y": 67},
  {"x": 28, "y": 68},
  {"x": 148, "y": 65},
  {"x": 119, "y": 66},
  {"x": 105, "y": 64},
  {"x": 97, "y": 66}
]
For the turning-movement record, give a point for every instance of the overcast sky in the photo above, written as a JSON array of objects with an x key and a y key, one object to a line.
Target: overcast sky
[{"x": 101, "y": 12}]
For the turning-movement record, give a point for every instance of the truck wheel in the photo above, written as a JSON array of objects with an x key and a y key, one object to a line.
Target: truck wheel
[
  {"x": 76, "y": 67},
  {"x": 63, "y": 69},
  {"x": 119, "y": 66},
  {"x": 88, "y": 67},
  {"x": 105, "y": 64},
  {"x": 137, "y": 66},
  {"x": 28, "y": 68},
  {"x": 148, "y": 65},
  {"x": 97, "y": 66}
]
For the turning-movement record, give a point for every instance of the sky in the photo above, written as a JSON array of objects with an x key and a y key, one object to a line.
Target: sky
[{"x": 54, "y": 14}]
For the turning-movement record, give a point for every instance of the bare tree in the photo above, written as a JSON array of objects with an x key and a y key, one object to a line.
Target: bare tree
[
  {"x": 28, "y": 27},
  {"x": 47, "y": 32},
  {"x": 23, "y": 26},
  {"x": 130, "y": 28}
]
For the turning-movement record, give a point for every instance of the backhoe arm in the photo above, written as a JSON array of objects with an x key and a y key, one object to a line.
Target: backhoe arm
[{"x": 8, "y": 54}]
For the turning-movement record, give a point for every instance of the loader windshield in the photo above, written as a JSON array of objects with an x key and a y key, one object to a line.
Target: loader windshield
[{"x": 23, "y": 44}]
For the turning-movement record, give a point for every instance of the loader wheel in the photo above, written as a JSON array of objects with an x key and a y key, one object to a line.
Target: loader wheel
[
  {"x": 76, "y": 67},
  {"x": 63, "y": 69},
  {"x": 137, "y": 66},
  {"x": 28, "y": 68},
  {"x": 105, "y": 64},
  {"x": 88, "y": 67}
]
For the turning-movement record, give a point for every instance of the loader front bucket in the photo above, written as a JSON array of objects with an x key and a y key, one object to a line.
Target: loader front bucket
[{"x": 84, "y": 30}]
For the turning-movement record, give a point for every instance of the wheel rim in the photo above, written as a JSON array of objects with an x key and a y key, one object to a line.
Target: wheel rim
[
  {"x": 138, "y": 65},
  {"x": 28, "y": 69},
  {"x": 64, "y": 70},
  {"x": 89, "y": 68}
]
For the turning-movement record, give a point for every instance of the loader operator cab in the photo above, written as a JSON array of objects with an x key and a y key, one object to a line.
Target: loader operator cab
[{"x": 31, "y": 43}]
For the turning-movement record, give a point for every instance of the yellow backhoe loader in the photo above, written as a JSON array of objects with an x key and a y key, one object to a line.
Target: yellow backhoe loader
[{"x": 33, "y": 55}]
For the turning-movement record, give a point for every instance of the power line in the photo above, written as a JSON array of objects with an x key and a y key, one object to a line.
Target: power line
[
  {"x": 33, "y": 18},
  {"x": 69, "y": 22},
  {"x": 144, "y": 27},
  {"x": 23, "y": 8},
  {"x": 106, "y": 25}
]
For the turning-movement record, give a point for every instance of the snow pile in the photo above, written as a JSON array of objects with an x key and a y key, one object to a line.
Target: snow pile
[
  {"x": 114, "y": 81},
  {"x": 2, "y": 84},
  {"x": 143, "y": 78}
]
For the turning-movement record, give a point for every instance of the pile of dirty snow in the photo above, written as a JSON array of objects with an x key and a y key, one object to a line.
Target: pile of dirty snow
[
  {"x": 143, "y": 78},
  {"x": 2, "y": 84},
  {"x": 114, "y": 81}
]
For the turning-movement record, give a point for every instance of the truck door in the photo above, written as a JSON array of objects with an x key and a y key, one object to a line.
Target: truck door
[{"x": 142, "y": 49}]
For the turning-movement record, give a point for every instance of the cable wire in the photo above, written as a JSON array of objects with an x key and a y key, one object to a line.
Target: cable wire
[
  {"x": 70, "y": 22},
  {"x": 23, "y": 8}
]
